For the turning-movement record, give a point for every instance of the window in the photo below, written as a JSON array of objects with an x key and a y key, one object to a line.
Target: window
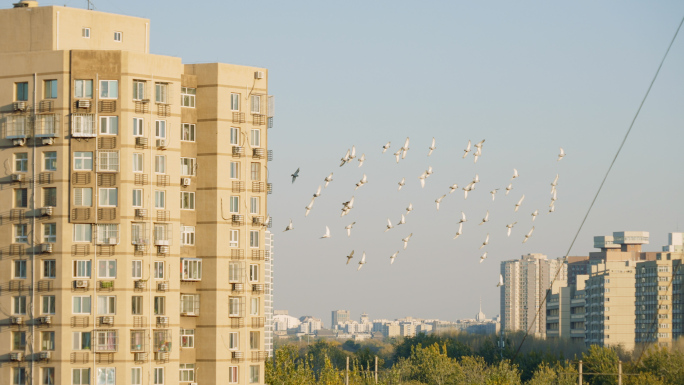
[
  {"x": 136, "y": 269},
  {"x": 109, "y": 89},
  {"x": 85, "y": 32},
  {"x": 188, "y": 97},
  {"x": 49, "y": 268},
  {"x": 254, "y": 205},
  {"x": 82, "y": 232},
  {"x": 50, "y": 161},
  {"x": 162, "y": 234},
  {"x": 109, "y": 125},
  {"x": 137, "y": 162},
  {"x": 21, "y": 197},
  {"x": 22, "y": 91},
  {"x": 19, "y": 269},
  {"x": 47, "y": 340},
  {"x": 106, "y": 304},
  {"x": 188, "y": 235},
  {"x": 50, "y": 196},
  {"x": 137, "y": 198},
  {"x": 136, "y": 376},
  {"x": 234, "y": 136},
  {"x": 137, "y": 340},
  {"x": 234, "y": 307},
  {"x": 188, "y": 132},
  {"x": 83, "y": 196},
  {"x": 256, "y": 171},
  {"x": 254, "y": 306},
  {"x": 106, "y": 268},
  {"x": 108, "y": 197},
  {"x": 233, "y": 340},
  {"x": 158, "y": 376},
  {"x": 117, "y": 36},
  {"x": 160, "y": 129},
  {"x": 161, "y": 92},
  {"x": 159, "y": 270},
  {"x": 108, "y": 161},
  {"x": 255, "y": 138},
  {"x": 49, "y": 232},
  {"x": 254, "y": 340},
  {"x": 19, "y": 376},
  {"x": 21, "y": 233},
  {"x": 80, "y": 376},
  {"x": 83, "y": 88},
  {"x": 18, "y": 340},
  {"x": 235, "y": 102},
  {"x": 187, "y": 166},
  {"x": 254, "y": 238},
  {"x": 190, "y": 304},
  {"x": 160, "y": 164},
  {"x": 19, "y": 305},
  {"x": 48, "y": 304},
  {"x": 234, "y": 237},
  {"x": 82, "y": 268},
  {"x": 234, "y": 272},
  {"x": 187, "y": 372},
  {"x": 159, "y": 199},
  {"x": 253, "y": 374},
  {"x": 234, "y": 204},
  {"x": 159, "y": 305},
  {"x": 50, "y": 89},
  {"x": 234, "y": 170},
  {"x": 256, "y": 104},
  {"x": 106, "y": 376},
  {"x": 21, "y": 162},
  {"x": 83, "y": 161},
  {"x": 137, "y": 305},
  {"x": 232, "y": 374},
  {"x": 187, "y": 338},
  {"x": 253, "y": 273},
  {"x": 187, "y": 200},
  {"x": 80, "y": 304},
  {"x": 192, "y": 269},
  {"x": 138, "y": 90}
]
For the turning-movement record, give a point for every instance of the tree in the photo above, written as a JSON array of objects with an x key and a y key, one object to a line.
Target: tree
[
  {"x": 473, "y": 370},
  {"x": 432, "y": 365},
  {"x": 503, "y": 373},
  {"x": 603, "y": 362}
]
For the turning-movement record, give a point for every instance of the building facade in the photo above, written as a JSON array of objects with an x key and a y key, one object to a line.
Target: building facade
[
  {"x": 134, "y": 206},
  {"x": 339, "y": 317}
]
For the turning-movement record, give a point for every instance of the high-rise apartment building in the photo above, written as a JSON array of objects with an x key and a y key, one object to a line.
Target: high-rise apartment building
[
  {"x": 339, "y": 317},
  {"x": 526, "y": 281},
  {"x": 268, "y": 297},
  {"x": 133, "y": 207}
]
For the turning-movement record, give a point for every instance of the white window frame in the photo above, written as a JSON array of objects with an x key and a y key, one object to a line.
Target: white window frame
[
  {"x": 83, "y": 301},
  {"x": 234, "y": 136},
  {"x": 158, "y": 269},
  {"x": 255, "y": 137},
  {"x": 254, "y": 239},
  {"x": 235, "y": 271},
  {"x": 85, "y": 32},
  {"x": 188, "y": 131},
  {"x": 187, "y": 338},
  {"x": 106, "y": 374},
  {"x": 106, "y": 268},
  {"x": 190, "y": 304},
  {"x": 139, "y": 90},
  {"x": 81, "y": 266},
  {"x": 83, "y": 232},
  {"x": 81, "y": 88},
  {"x": 188, "y": 166},
  {"x": 159, "y": 199},
  {"x": 234, "y": 102},
  {"x": 233, "y": 374},
  {"x": 188, "y": 235},
  {"x": 138, "y": 126},
  {"x": 234, "y": 204},
  {"x": 187, "y": 372},
  {"x": 49, "y": 232},
  {"x": 161, "y": 93},
  {"x": 191, "y": 269},
  {"x": 83, "y": 157},
  {"x": 234, "y": 240},
  {"x": 21, "y": 162},
  {"x": 160, "y": 129},
  {"x": 19, "y": 305},
  {"x": 84, "y": 196},
  {"x": 136, "y": 376},
  {"x": 109, "y": 125},
  {"x": 254, "y": 205},
  {"x": 48, "y": 304},
  {"x": 160, "y": 164},
  {"x": 158, "y": 377},
  {"x": 234, "y": 170},
  {"x": 187, "y": 200},
  {"x": 118, "y": 36},
  {"x": 253, "y": 273},
  {"x": 21, "y": 233},
  {"x": 108, "y": 161},
  {"x": 50, "y": 161},
  {"x": 190, "y": 97},
  {"x": 106, "y": 305},
  {"x": 110, "y": 93},
  {"x": 254, "y": 374},
  {"x": 138, "y": 162},
  {"x": 80, "y": 376},
  {"x": 255, "y": 104},
  {"x": 109, "y": 196},
  {"x": 136, "y": 269},
  {"x": 254, "y": 306},
  {"x": 233, "y": 341}
]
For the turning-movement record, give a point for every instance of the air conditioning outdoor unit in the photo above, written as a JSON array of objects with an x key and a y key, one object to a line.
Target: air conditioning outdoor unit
[
  {"x": 47, "y": 320},
  {"x": 257, "y": 287},
  {"x": 44, "y": 355},
  {"x": 46, "y": 248},
  {"x": 237, "y": 354},
  {"x": 163, "y": 249},
  {"x": 238, "y": 287},
  {"x": 140, "y": 212},
  {"x": 185, "y": 181},
  {"x": 17, "y": 177},
  {"x": 83, "y": 284},
  {"x": 161, "y": 356},
  {"x": 83, "y": 104},
  {"x": 237, "y": 150},
  {"x": 16, "y": 320},
  {"x": 47, "y": 211},
  {"x": 48, "y": 141},
  {"x": 140, "y": 141},
  {"x": 19, "y": 106},
  {"x": 140, "y": 284},
  {"x": 161, "y": 143},
  {"x": 256, "y": 220},
  {"x": 19, "y": 141},
  {"x": 163, "y": 320},
  {"x": 111, "y": 241},
  {"x": 140, "y": 356},
  {"x": 258, "y": 74},
  {"x": 140, "y": 247},
  {"x": 107, "y": 320},
  {"x": 17, "y": 356},
  {"x": 162, "y": 286}
]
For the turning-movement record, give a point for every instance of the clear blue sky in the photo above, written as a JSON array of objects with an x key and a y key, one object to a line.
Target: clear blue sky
[{"x": 526, "y": 76}]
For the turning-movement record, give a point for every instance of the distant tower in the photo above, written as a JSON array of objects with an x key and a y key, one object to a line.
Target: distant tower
[
  {"x": 364, "y": 318},
  {"x": 480, "y": 317}
]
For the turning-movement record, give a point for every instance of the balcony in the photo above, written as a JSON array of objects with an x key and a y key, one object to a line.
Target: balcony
[
  {"x": 238, "y": 219},
  {"x": 237, "y": 287},
  {"x": 259, "y": 356},
  {"x": 238, "y": 117},
  {"x": 258, "y": 322},
  {"x": 105, "y": 285},
  {"x": 238, "y": 186},
  {"x": 237, "y": 322},
  {"x": 16, "y": 127},
  {"x": 237, "y": 356},
  {"x": 83, "y": 126},
  {"x": 258, "y": 119},
  {"x": 47, "y": 126},
  {"x": 237, "y": 254},
  {"x": 258, "y": 255}
]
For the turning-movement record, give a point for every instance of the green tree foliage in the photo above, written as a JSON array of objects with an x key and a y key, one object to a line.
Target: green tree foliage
[{"x": 602, "y": 362}]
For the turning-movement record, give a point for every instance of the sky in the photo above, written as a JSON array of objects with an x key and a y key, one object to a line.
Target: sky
[{"x": 528, "y": 77}]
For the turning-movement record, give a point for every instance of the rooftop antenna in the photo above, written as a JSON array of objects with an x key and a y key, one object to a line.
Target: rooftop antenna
[{"x": 90, "y": 5}]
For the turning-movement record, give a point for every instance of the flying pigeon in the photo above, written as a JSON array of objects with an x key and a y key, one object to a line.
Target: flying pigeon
[
  {"x": 510, "y": 227},
  {"x": 517, "y": 205},
  {"x": 466, "y": 151},
  {"x": 362, "y": 159},
  {"x": 483, "y": 257},
  {"x": 362, "y": 261},
  {"x": 432, "y": 147},
  {"x": 561, "y": 155},
  {"x": 327, "y": 233},
  {"x": 485, "y": 219},
  {"x": 289, "y": 227},
  {"x": 389, "y": 225},
  {"x": 486, "y": 241},
  {"x": 349, "y": 228},
  {"x": 401, "y": 183},
  {"x": 406, "y": 240},
  {"x": 328, "y": 179},
  {"x": 392, "y": 257},
  {"x": 385, "y": 147},
  {"x": 528, "y": 235},
  {"x": 295, "y": 175},
  {"x": 439, "y": 200},
  {"x": 350, "y": 256}
]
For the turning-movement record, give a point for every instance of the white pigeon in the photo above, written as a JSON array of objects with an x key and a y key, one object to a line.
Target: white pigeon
[
  {"x": 528, "y": 235},
  {"x": 554, "y": 184},
  {"x": 385, "y": 147},
  {"x": 328, "y": 179},
  {"x": 510, "y": 227},
  {"x": 309, "y": 206},
  {"x": 439, "y": 200},
  {"x": 405, "y": 149},
  {"x": 501, "y": 282},
  {"x": 483, "y": 257},
  {"x": 479, "y": 144},
  {"x": 485, "y": 219},
  {"x": 289, "y": 227},
  {"x": 318, "y": 192},
  {"x": 493, "y": 192},
  {"x": 509, "y": 188},
  {"x": 534, "y": 215},
  {"x": 429, "y": 171},
  {"x": 362, "y": 159},
  {"x": 453, "y": 188},
  {"x": 345, "y": 159},
  {"x": 353, "y": 153},
  {"x": 327, "y": 233},
  {"x": 432, "y": 147},
  {"x": 362, "y": 261},
  {"x": 363, "y": 181},
  {"x": 349, "y": 228},
  {"x": 486, "y": 241},
  {"x": 406, "y": 240},
  {"x": 552, "y": 208},
  {"x": 554, "y": 197},
  {"x": 389, "y": 225},
  {"x": 398, "y": 155},
  {"x": 477, "y": 154},
  {"x": 350, "y": 256},
  {"x": 467, "y": 188},
  {"x": 517, "y": 205},
  {"x": 347, "y": 206},
  {"x": 463, "y": 218},
  {"x": 402, "y": 220},
  {"x": 460, "y": 230},
  {"x": 561, "y": 155},
  {"x": 515, "y": 174},
  {"x": 422, "y": 179},
  {"x": 409, "y": 208},
  {"x": 476, "y": 179},
  {"x": 467, "y": 150},
  {"x": 402, "y": 183},
  {"x": 392, "y": 257}
]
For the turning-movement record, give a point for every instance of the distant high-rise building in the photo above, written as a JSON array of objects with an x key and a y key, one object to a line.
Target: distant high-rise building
[
  {"x": 364, "y": 318},
  {"x": 339, "y": 316},
  {"x": 268, "y": 296}
]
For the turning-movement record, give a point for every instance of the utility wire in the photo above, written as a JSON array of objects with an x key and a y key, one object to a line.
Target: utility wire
[{"x": 536, "y": 316}]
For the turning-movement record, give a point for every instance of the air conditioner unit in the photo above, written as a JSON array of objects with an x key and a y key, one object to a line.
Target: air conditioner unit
[
  {"x": 161, "y": 356},
  {"x": 107, "y": 320},
  {"x": 44, "y": 355},
  {"x": 83, "y": 104},
  {"x": 238, "y": 287},
  {"x": 237, "y": 354},
  {"x": 17, "y": 177},
  {"x": 257, "y": 287},
  {"x": 111, "y": 241},
  {"x": 163, "y": 320},
  {"x": 237, "y": 150},
  {"x": 82, "y": 284},
  {"x": 161, "y": 143},
  {"x": 46, "y": 248},
  {"x": 140, "y": 212},
  {"x": 17, "y": 356},
  {"x": 163, "y": 286},
  {"x": 19, "y": 141},
  {"x": 16, "y": 320},
  {"x": 140, "y": 247},
  {"x": 256, "y": 220},
  {"x": 258, "y": 74},
  {"x": 140, "y": 284},
  {"x": 185, "y": 181},
  {"x": 47, "y": 211},
  {"x": 140, "y": 141},
  {"x": 140, "y": 356},
  {"x": 47, "y": 320},
  {"x": 163, "y": 249},
  {"x": 48, "y": 141}
]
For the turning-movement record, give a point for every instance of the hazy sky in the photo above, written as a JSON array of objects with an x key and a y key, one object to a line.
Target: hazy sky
[{"x": 526, "y": 76}]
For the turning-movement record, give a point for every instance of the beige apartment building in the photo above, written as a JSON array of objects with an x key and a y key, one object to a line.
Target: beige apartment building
[{"x": 133, "y": 207}]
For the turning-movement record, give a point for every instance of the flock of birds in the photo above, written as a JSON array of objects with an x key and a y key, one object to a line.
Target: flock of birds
[{"x": 400, "y": 154}]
